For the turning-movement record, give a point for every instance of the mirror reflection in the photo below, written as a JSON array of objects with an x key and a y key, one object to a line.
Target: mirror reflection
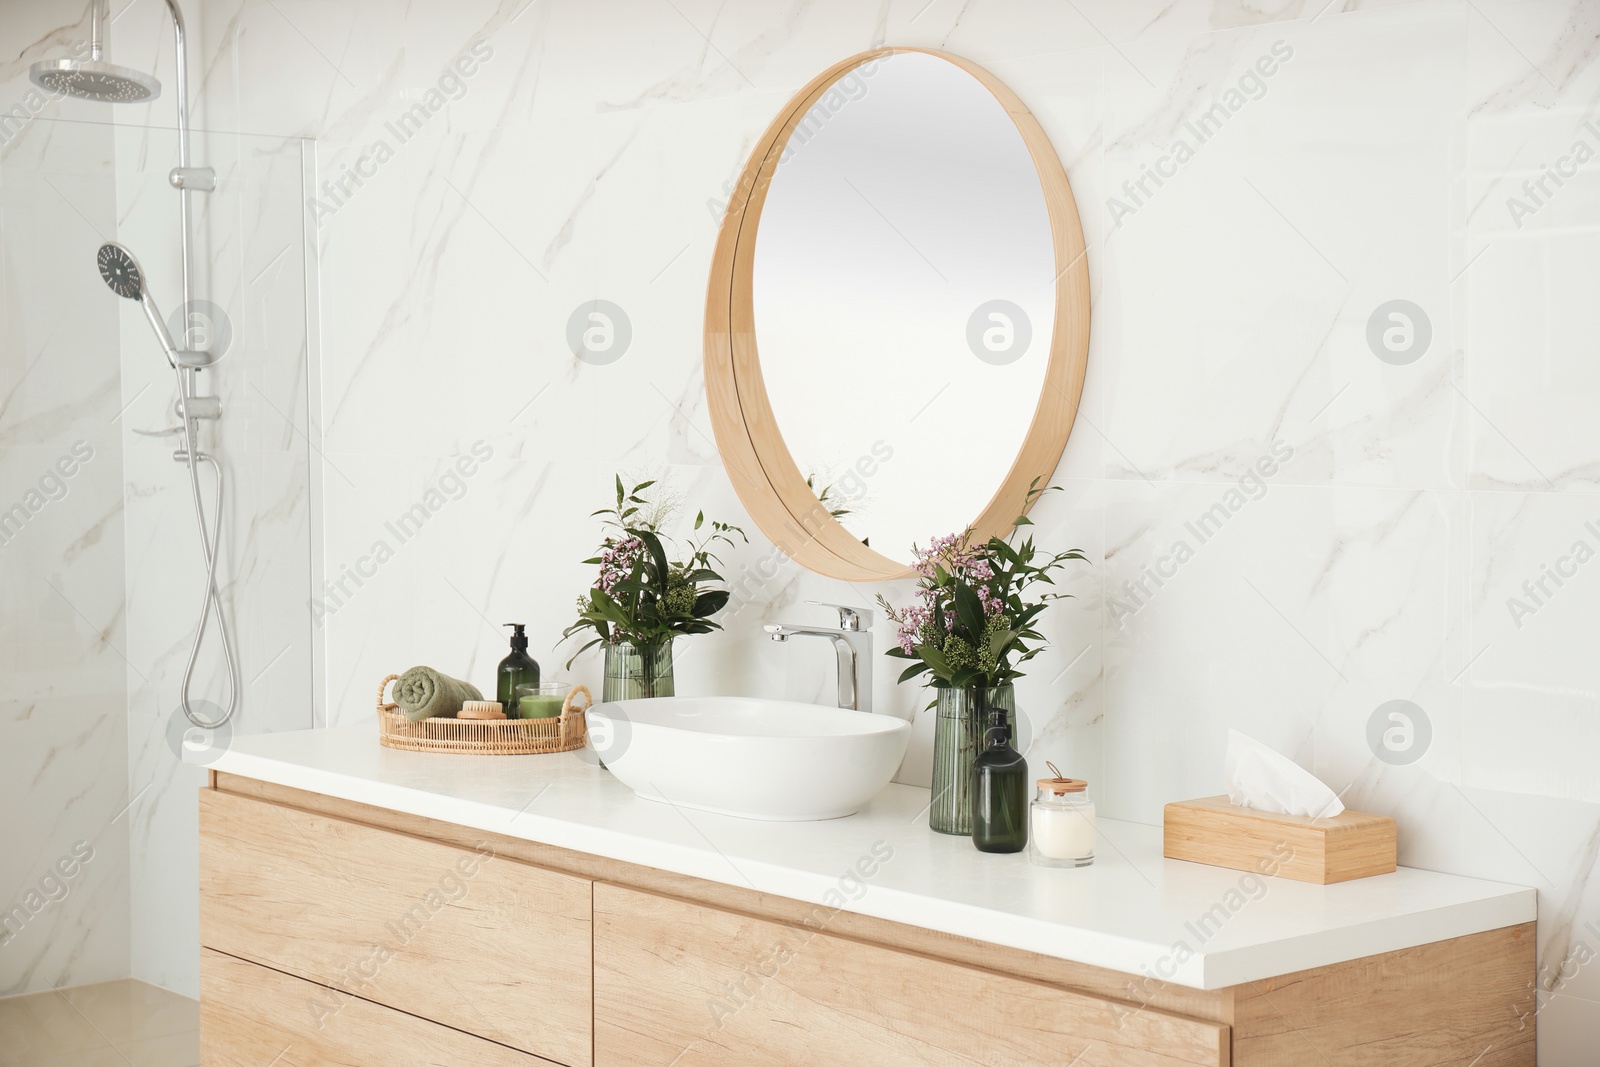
[{"x": 903, "y": 298}]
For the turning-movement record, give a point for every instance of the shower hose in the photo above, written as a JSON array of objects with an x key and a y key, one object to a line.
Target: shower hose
[{"x": 211, "y": 547}]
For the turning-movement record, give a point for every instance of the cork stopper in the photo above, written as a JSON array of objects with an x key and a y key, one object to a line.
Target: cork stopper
[{"x": 1061, "y": 785}]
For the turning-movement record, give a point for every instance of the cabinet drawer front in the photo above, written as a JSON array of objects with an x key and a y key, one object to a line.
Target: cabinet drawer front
[
  {"x": 478, "y": 942},
  {"x": 679, "y": 983},
  {"x": 251, "y": 1016}
]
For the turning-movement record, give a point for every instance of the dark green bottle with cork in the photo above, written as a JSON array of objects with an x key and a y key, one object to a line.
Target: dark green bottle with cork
[
  {"x": 999, "y": 791},
  {"x": 516, "y": 669}
]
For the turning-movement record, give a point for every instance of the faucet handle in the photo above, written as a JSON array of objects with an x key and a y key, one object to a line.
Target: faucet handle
[{"x": 849, "y": 618}]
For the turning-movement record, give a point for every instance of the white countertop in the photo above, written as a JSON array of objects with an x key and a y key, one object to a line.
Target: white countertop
[{"x": 1128, "y": 912}]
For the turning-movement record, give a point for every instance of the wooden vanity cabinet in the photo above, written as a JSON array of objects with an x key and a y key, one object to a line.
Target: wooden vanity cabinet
[
  {"x": 459, "y": 935},
  {"x": 252, "y": 1016},
  {"x": 335, "y": 933},
  {"x": 677, "y": 982}
]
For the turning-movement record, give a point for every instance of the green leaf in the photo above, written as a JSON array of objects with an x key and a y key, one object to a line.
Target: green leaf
[
  {"x": 934, "y": 658},
  {"x": 964, "y": 677},
  {"x": 911, "y": 672},
  {"x": 969, "y": 609},
  {"x": 710, "y": 603},
  {"x": 612, "y": 612},
  {"x": 581, "y": 651},
  {"x": 659, "y": 556},
  {"x": 699, "y": 520},
  {"x": 620, "y": 493}
]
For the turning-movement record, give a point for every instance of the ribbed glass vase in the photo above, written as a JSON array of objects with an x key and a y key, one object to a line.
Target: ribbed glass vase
[
  {"x": 957, "y": 740},
  {"x": 634, "y": 672}
]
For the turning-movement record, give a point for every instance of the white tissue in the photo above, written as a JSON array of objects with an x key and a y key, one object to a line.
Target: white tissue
[{"x": 1263, "y": 779}]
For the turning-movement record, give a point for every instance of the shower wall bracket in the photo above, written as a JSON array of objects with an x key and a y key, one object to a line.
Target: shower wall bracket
[
  {"x": 198, "y": 407},
  {"x": 194, "y": 359},
  {"x": 193, "y": 179}
]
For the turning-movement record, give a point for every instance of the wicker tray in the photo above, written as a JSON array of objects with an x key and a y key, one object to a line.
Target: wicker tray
[{"x": 486, "y": 737}]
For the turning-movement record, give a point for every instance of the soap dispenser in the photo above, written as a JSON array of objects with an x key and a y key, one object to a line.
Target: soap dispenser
[
  {"x": 999, "y": 791},
  {"x": 516, "y": 669}
]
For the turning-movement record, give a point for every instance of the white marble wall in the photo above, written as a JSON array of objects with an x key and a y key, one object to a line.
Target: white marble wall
[
  {"x": 1232, "y": 307},
  {"x": 63, "y": 627}
]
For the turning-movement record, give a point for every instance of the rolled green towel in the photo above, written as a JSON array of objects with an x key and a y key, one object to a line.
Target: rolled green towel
[{"x": 424, "y": 693}]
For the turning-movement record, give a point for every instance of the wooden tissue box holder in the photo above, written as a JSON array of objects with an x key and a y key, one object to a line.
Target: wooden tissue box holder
[{"x": 1210, "y": 830}]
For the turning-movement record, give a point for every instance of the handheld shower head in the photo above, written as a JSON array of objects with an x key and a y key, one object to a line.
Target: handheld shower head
[{"x": 121, "y": 273}]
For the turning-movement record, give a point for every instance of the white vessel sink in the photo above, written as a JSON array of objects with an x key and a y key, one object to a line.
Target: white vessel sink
[{"x": 758, "y": 759}]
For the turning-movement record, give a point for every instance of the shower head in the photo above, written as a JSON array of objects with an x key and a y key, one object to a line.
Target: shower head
[
  {"x": 95, "y": 79},
  {"x": 120, "y": 271}
]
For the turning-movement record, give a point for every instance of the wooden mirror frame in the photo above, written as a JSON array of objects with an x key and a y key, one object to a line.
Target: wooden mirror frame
[{"x": 764, "y": 474}]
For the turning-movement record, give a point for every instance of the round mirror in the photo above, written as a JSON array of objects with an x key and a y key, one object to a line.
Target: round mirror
[{"x": 897, "y": 323}]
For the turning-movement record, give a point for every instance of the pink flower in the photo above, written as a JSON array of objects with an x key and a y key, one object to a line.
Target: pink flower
[{"x": 617, "y": 562}]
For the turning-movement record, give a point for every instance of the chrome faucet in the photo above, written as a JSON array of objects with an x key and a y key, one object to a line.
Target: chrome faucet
[{"x": 852, "y": 644}]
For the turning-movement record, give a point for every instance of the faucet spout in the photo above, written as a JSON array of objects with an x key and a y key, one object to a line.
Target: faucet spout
[{"x": 852, "y": 647}]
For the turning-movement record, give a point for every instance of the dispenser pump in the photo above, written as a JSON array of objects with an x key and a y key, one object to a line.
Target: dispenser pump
[{"x": 519, "y": 636}]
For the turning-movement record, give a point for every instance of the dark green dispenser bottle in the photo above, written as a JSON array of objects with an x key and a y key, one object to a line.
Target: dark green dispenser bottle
[
  {"x": 516, "y": 669},
  {"x": 999, "y": 791}
]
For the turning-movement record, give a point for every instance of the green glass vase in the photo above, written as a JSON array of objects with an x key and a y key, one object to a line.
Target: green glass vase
[
  {"x": 636, "y": 672},
  {"x": 957, "y": 740}
]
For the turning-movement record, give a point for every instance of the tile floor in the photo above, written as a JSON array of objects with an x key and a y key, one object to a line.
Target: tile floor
[{"x": 113, "y": 1024}]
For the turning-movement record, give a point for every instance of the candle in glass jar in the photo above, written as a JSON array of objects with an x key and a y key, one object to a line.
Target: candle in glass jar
[
  {"x": 541, "y": 701},
  {"x": 1061, "y": 823},
  {"x": 1064, "y": 833}
]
